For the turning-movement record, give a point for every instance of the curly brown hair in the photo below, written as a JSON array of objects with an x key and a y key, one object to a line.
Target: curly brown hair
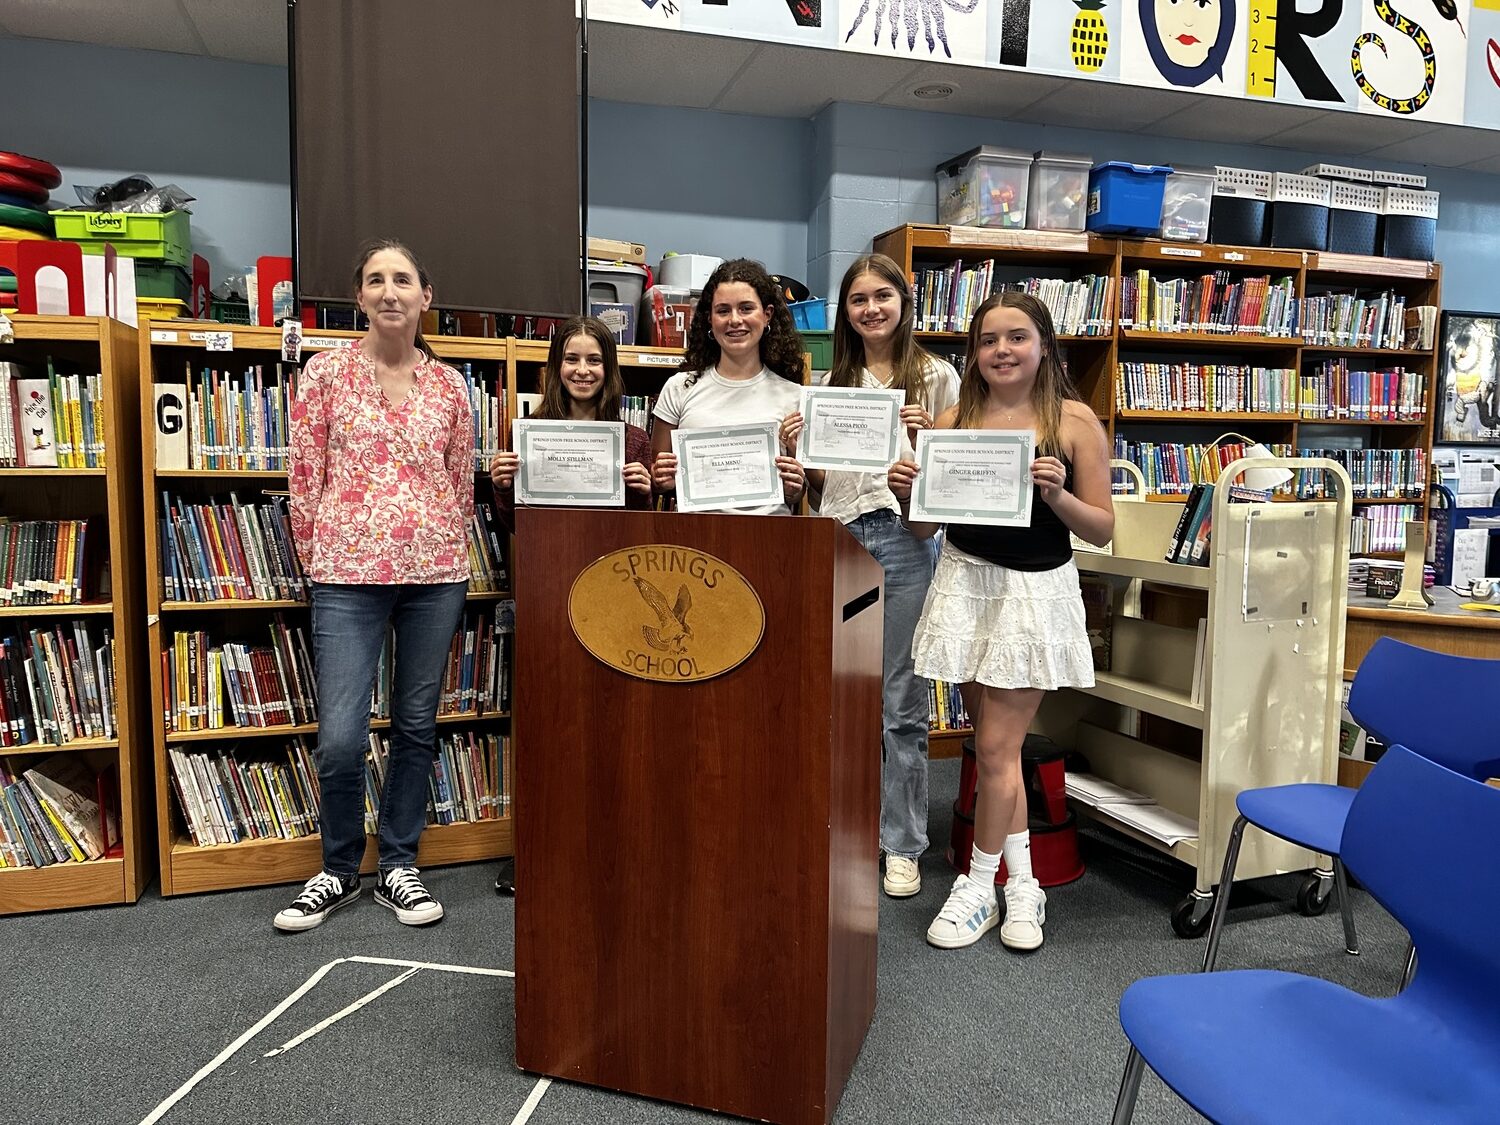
[{"x": 781, "y": 346}]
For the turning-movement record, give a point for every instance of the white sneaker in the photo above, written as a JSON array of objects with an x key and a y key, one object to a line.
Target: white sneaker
[
  {"x": 902, "y": 876},
  {"x": 970, "y": 912},
  {"x": 1025, "y": 911}
]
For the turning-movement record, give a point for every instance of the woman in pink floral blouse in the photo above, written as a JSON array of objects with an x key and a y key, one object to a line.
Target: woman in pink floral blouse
[{"x": 382, "y": 489}]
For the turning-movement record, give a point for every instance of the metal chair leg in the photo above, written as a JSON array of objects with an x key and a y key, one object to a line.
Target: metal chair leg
[
  {"x": 1130, "y": 1086},
  {"x": 1221, "y": 896},
  {"x": 1351, "y": 944},
  {"x": 1411, "y": 965}
]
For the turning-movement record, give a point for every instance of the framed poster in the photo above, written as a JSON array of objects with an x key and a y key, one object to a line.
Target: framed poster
[{"x": 1468, "y": 402}]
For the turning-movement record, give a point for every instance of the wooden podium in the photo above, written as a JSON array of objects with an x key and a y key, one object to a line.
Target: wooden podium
[{"x": 696, "y": 862}]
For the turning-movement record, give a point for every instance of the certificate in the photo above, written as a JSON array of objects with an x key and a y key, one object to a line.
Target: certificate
[
  {"x": 850, "y": 428},
  {"x": 727, "y": 467},
  {"x": 974, "y": 476},
  {"x": 569, "y": 463}
]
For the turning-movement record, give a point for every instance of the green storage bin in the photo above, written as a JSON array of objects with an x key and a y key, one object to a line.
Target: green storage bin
[
  {"x": 162, "y": 280},
  {"x": 229, "y": 312},
  {"x": 820, "y": 344},
  {"x": 162, "y": 237}
]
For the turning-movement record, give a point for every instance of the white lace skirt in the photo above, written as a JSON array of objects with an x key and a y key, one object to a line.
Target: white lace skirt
[{"x": 1004, "y": 628}]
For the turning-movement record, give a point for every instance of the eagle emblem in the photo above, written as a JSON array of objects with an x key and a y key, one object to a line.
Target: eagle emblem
[{"x": 671, "y": 628}]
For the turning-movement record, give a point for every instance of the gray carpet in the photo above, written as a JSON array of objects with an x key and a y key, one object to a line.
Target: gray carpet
[{"x": 108, "y": 1012}]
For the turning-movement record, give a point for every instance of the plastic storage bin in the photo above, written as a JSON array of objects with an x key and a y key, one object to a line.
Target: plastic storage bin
[
  {"x": 1238, "y": 214},
  {"x": 687, "y": 271},
  {"x": 1057, "y": 191},
  {"x": 666, "y": 312},
  {"x": 1408, "y": 225},
  {"x": 163, "y": 237},
  {"x": 1354, "y": 218},
  {"x": 811, "y": 314},
  {"x": 1186, "y": 203},
  {"x": 161, "y": 279},
  {"x": 160, "y": 308},
  {"x": 1299, "y": 211},
  {"x": 984, "y": 187},
  {"x": 1339, "y": 172},
  {"x": 618, "y": 318},
  {"x": 616, "y": 283},
  {"x": 1125, "y": 198},
  {"x": 819, "y": 343}
]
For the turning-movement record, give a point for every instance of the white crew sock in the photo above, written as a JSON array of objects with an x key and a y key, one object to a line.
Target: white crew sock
[
  {"x": 983, "y": 867},
  {"x": 1017, "y": 852}
]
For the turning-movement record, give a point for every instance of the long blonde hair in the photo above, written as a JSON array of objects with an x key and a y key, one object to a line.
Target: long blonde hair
[
  {"x": 1048, "y": 392},
  {"x": 909, "y": 360}
]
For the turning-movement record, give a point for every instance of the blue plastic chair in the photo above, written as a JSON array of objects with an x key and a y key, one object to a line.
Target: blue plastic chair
[
  {"x": 1260, "y": 1046},
  {"x": 1430, "y": 702}
]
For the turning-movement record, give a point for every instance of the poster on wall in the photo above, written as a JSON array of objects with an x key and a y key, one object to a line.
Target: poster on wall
[
  {"x": 1468, "y": 386},
  {"x": 934, "y": 30},
  {"x": 805, "y": 23},
  {"x": 1411, "y": 59},
  {"x": 1195, "y": 45},
  {"x": 642, "y": 13},
  {"x": 1482, "y": 86},
  {"x": 1299, "y": 52},
  {"x": 1076, "y": 39}
]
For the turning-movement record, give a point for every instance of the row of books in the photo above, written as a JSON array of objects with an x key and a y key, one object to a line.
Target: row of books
[
  {"x": 226, "y": 796},
  {"x": 469, "y": 781},
  {"x": 1172, "y": 468},
  {"x": 1374, "y": 474},
  {"x": 487, "y": 408},
  {"x": 1333, "y": 391},
  {"x": 487, "y": 541},
  {"x": 635, "y": 410},
  {"x": 945, "y": 297},
  {"x": 1211, "y": 387},
  {"x": 229, "y": 550},
  {"x": 233, "y": 422},
  {"x": 945, "y": 707},
  {"x": 1347, "y": 320},
  {"x": 210, "y": 685},
  {"x": 48, "y": 562},
  {"x": 57, "y": 685},
  {"x": 1381, "y": 529},
  {"x": 57, "y": 810},
  {"x": 1194, "y": 531},
  {"x": 51, "y": 421},
  {"x": 1213, "y": 303}
]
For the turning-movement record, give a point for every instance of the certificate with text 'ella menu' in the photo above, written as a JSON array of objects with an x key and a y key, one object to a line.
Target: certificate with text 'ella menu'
[
  {"x": 852, "y": 428},
  {"x": 727, "y": 467},
  {"x": 577, "y": 464},
  {"x": 974, "y": 476}
]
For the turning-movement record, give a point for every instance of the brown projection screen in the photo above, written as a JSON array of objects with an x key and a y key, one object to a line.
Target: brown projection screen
[{"x": 451, "y": 125}]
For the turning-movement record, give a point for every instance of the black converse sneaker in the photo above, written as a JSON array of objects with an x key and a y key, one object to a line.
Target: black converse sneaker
[
  {"x": 403, "y": 892},
  {"x": 320, "y": 897}
]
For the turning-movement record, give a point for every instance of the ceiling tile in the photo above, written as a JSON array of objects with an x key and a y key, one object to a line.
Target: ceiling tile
[
  {"x": 979, "y": 91},
  {"x": 1234, "y": 120},
  {"x": 675, "y": 68},
  {"x": 146, "y": 25},
  {"x": 785, "y": 81},
  {"x": 244, "y": 30},
  {"x": 1447, "y": 146},
  {"x": 1086, "y": 104},
  {"x": 1347, "y": 133},
  {"x": 1490, "y": 164}
]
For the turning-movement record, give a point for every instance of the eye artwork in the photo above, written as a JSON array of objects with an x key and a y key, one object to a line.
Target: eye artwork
[
  {"x": 908, "y": 12},
  {"x": 1419, "y": 38}
]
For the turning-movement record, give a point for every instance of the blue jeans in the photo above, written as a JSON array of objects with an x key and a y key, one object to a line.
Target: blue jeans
[
  {"x": 349, "y": 624},
  {"x": 908, "y": 564}
]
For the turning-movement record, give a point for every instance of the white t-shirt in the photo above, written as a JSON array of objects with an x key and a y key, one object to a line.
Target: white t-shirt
[
  {"x": 847, "y": 496},
  {"x": 713, "y": 400}
]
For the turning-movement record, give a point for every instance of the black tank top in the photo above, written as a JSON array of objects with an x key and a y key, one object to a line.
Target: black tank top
[{"x": 1042, "y": 546}]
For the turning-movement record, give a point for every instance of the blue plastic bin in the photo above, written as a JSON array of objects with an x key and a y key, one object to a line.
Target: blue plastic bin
[
  {"x": 1125, "y": 198},
  {"x": 810, "y": 314}
]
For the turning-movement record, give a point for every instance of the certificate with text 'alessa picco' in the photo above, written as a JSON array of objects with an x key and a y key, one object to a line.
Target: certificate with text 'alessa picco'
[
  {"x": 974, "y": 476},
  {"x": 850, "y": 428}
]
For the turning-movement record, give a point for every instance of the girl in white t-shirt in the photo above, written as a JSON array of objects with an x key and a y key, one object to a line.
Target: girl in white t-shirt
[
  {"x": 873, "y": 346},
  {"x": 743, "y": 363}
]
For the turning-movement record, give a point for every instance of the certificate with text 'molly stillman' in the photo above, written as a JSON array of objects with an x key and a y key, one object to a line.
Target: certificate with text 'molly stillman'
[
  {"x": 974, "y": 476},
  {"x": 569, "y": 463}
]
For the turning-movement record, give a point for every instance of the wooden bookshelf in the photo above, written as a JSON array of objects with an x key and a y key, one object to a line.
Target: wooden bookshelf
[
  {"x": 112, "y": 495},
  {"x": 185, "y": 867},
  {"x": 1094, "y": 360}
]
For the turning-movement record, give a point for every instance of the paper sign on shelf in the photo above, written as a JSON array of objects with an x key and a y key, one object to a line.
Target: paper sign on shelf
[{"x": 219, "y": 341}]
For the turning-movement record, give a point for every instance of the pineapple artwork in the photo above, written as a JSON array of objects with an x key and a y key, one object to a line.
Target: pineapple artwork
[{"x": 1090, "y": 38}]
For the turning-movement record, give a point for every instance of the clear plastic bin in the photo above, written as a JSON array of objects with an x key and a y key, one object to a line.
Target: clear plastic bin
[
  {"x": 666, "y": 313},
  {"x": 1185, "y": 204},
  {"x": 1058, "y": 191},
  {"x": 984, "y": 187}
]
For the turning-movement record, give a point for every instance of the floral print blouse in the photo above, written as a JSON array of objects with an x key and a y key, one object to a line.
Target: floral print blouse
[{"x": 380, "y": 493}]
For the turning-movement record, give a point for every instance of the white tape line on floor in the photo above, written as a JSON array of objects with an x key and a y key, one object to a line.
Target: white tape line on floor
[
  {"x": 349, "y": 1011},
  {"x": 533, "y": 1099},
  {"x": 311, "y": 982}
]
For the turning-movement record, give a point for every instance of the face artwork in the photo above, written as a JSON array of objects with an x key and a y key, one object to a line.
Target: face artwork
[{"x": 1188, "y": 39}]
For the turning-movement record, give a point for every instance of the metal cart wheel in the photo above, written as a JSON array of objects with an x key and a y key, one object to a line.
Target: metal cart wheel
[
  {"x": 1315, "y": 893},
  {"x": 1190, "y": 917}
]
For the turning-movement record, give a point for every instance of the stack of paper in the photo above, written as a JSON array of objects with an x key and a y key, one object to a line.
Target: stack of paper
[
  {"x": 1158, "y": 823},
  {"x": 1096, "y": 791}
]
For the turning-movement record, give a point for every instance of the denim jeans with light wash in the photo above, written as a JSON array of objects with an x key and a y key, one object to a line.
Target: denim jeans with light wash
[
  {"x": 349, "y": 624},
  {"x": 908, "y": 564}
]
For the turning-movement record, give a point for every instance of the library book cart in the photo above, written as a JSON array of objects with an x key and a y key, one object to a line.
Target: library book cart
[
  {"x": 221, "y": 595},
  {"x": 1221, "y": 678},
  {"x": 72, "y": 611}
]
